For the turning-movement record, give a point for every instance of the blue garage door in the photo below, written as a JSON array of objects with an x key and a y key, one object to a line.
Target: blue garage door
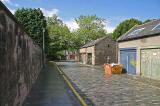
[{"x": 128, "y": 59}]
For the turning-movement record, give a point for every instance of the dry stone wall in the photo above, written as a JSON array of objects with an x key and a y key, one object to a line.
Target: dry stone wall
[{"x": 20, "y": 60}]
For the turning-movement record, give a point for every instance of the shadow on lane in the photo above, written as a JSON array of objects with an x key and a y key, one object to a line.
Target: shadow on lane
[{"x": 51, "y": 90}]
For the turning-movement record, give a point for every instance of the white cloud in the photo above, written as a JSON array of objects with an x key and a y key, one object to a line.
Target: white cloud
[
  {"x": 12, "y": 10},
  {"x": 6, "y": 1},
  {"x": 10, "y": 3},
  {"x": 72, "y": 25},
  {"x": 109, "y": 28},
  {"x": 17, "y": 5},
  {"x": 50, "y": 13}
]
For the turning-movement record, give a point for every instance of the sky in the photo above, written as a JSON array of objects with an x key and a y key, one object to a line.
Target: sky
[{"x": 113, "y": 11}]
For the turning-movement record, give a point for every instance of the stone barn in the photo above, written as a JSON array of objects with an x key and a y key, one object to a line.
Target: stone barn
[
  {"x": 98, "y": 51},
  {"x": 139, "y": 50}
]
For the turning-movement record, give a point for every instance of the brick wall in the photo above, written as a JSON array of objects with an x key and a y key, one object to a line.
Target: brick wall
[{"x": 20, "y": 60}]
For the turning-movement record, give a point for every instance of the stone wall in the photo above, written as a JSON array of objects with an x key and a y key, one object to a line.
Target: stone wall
[
  {"x": 20, "y": 60},
  {"x": 106, "y": 48}
]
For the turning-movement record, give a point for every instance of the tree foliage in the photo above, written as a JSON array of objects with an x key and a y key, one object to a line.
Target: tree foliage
[
  {"x": 124, "y": 26},
  {"x": 90, "y": 28},
  {"x": 33, "y": 22},
  {"x": 147, "y": 21},
  {"x": 59, "y": 36}
]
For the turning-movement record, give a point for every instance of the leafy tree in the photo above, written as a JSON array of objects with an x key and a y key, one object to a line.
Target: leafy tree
[
  {"x": 90, "y": 28},
  {"x": 76, "y": 41},
  {"x": 54, "y": 21},
  {"x": 33, "y": 22},
  {"x": 58, "y": 33},
  {"x": 147, "y": 21},
  {"x": 124, "y": 26}
]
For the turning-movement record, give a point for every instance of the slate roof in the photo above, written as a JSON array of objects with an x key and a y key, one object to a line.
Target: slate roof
[
  {"x": 92, "y": 43},
  {"x": 146, "y": 32}
]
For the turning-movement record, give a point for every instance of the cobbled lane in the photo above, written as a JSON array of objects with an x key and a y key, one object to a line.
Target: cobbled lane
[{"x": 110, "y": 90}]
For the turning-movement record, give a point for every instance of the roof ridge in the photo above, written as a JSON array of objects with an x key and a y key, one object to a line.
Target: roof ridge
[
  {"x": 93, "y": 42},
  {"x": 149, "y": 22},
  {"x": 146, "y": 32}
]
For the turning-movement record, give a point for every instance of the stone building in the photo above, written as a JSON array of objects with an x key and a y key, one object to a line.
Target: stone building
[
  {"x": 139, "y": 50},
  {"x": 70, "y": 55},
  {"x": 98, "y": 51}
]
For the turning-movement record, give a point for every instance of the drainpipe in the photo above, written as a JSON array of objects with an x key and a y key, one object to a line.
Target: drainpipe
[
  {"x": 116, "y": 52},
  {"x": 86, "y": 56},
  {"x": 94, "y": 55}
]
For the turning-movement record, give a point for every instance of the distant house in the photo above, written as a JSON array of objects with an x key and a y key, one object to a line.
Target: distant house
[
  {"x": 70, "y": 55},
  {"x": 96, "y": 52},
  {"x": 139, "y": 50}
]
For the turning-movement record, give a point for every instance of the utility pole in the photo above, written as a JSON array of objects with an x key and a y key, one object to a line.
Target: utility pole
[{"x": 43, "y": 52}]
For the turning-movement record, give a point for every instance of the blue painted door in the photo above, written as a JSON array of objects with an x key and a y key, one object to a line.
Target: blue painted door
[
  {"x": 128, "y": 59},
  {"x": 123, "y": 60}
]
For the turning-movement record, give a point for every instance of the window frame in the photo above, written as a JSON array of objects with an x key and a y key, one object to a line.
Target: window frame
[
  {"x": 130, "y": 34},
  {"x": 156, "y": 26}
]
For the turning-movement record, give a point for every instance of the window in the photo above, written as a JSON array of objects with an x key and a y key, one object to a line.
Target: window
[
  {"x": 108, "y": 45},
  {"x": 136, "y": 31},
  {"x": 156, "y": 27}
]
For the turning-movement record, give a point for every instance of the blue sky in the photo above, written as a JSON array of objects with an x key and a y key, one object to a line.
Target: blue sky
[{"x": 114, "y": 11}]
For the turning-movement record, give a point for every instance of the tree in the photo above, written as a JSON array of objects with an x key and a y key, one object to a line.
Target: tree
[
  {"x": 147, "y": 21},
  {"x": 59, "y": 36},
  {"x": 124, "y": 26},
  {"x": 33, "y": 21},
  {"x": 90, "y": 28},
  {"x": 77, "y": 41}
]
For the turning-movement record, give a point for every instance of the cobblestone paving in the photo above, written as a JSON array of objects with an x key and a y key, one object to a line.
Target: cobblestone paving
[{"x": 110, "y": 90}]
